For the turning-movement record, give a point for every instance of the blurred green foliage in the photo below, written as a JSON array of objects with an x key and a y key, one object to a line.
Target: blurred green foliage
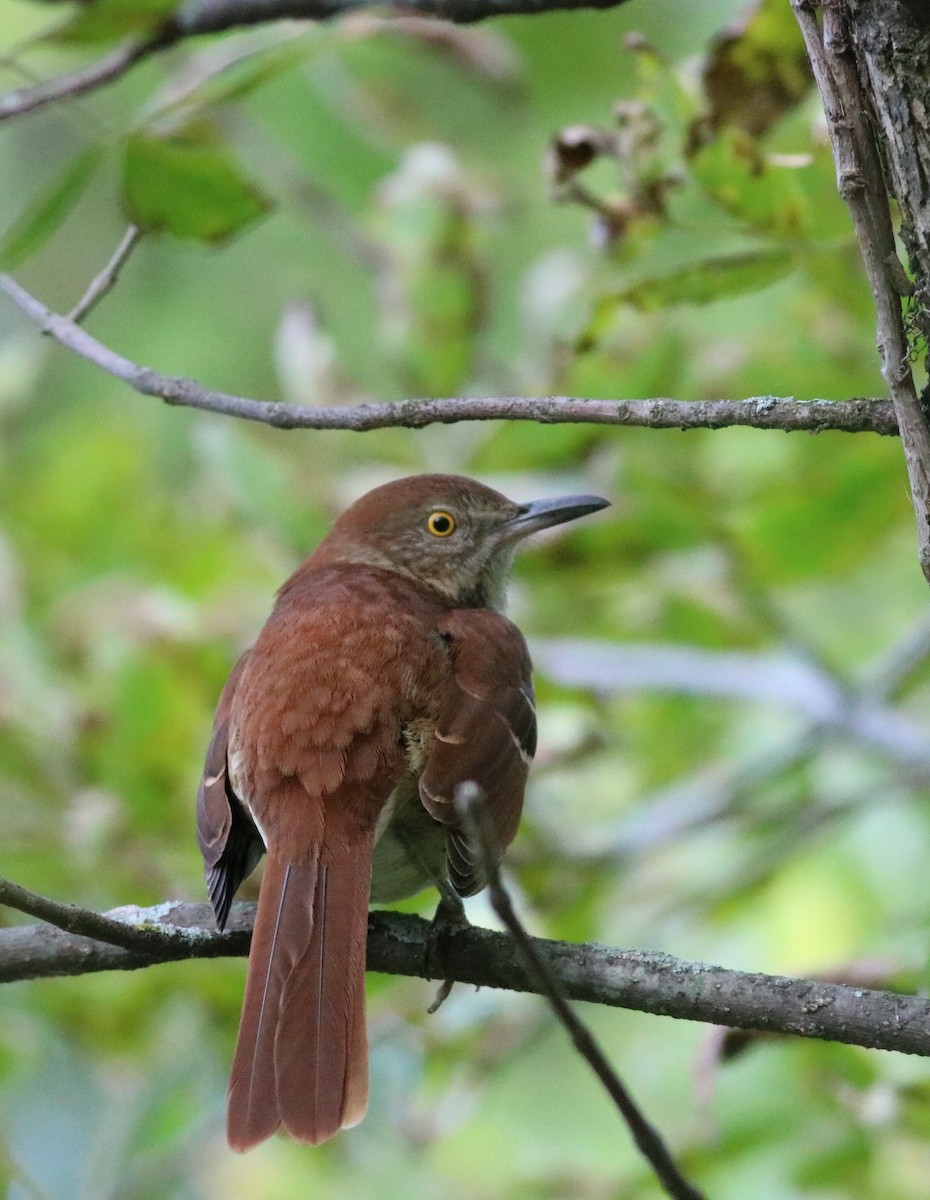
[{"x": 401, "y": 215}]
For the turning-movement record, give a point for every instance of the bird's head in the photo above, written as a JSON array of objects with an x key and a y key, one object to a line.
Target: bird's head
[{"x": 450, "y": 533}]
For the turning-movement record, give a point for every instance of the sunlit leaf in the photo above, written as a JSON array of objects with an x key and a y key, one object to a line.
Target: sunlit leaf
[{"x": 191, "y": 189}]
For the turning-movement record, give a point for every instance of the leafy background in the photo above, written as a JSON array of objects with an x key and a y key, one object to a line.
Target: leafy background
[{"x": 373, "y": 211}]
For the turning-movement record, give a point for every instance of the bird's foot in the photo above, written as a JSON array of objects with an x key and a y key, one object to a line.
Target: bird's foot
[{"x": 449, "y": 918}]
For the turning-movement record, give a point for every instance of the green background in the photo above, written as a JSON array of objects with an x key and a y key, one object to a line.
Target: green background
[{"x": 347, "y": 213}]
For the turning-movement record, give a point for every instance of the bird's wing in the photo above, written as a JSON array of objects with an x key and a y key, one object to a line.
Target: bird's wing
[
  {"x": 229, "y": 842},
  {"x": 486, "y": 734}
]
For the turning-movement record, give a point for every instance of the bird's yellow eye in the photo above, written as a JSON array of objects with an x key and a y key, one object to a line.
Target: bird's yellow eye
[{"x": 441, "y": 523}]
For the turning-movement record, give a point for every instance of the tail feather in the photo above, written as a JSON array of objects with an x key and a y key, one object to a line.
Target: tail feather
[
  {"x": 301, "y": 1060},
  {"x": 324, "y": 1005}
]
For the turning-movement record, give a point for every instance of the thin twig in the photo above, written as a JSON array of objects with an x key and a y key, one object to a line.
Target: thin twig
[
  {"x": 858, "y": 415},
  {"x": 861, "y": 184},
  {"x": 104, "y": 70},
  {"x": 102, "y": 283},
  {"x": 469, "y": 801}
]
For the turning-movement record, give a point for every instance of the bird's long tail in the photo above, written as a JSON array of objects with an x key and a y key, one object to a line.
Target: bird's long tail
[{"x": 301, "y": 1059}]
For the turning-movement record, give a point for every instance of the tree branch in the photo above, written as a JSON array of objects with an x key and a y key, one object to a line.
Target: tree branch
[
  {"x": 106, "y": 280},
  {"x": 104, "y": 70},
  {"x": 116, "y": 929},
  {"x": 211, "y": 16},
  {"x": 858, "y": 415},
  {"x": 633, "y": 979},
  {"x": 892, "y": 45},
  {"x": 199, "y": 17}
]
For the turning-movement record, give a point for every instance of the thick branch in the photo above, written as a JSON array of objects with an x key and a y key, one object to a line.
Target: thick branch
[
  {"x": 210, "y": 16},
  {"x": 634, "y": 979},
  {"x": 113, "y": 930},
  {"x": 859, "y": 415}
]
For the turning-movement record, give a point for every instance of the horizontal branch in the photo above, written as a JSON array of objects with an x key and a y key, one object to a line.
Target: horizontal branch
[
  {"x": 211, "y": 16},
  {"x": 632, "y": 979},
  {"x": 858, "y": 415}
]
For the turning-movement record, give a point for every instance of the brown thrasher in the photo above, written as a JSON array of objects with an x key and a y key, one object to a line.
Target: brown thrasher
[{"x": 385, "y": 677}]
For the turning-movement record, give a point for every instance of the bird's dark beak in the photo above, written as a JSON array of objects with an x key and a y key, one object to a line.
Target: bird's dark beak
[{"x": 542, "y": 514}]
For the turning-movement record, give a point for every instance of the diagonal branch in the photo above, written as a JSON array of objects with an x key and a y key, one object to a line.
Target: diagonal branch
[
  {"x": 102, "y": 71},
  {"x": 470, "y": 803},
  {"x": 635, "y": 979},
  {"x": 859, "y": 415},
  {"x": 199, "y": 17},
  {"x": 107, "y": 279}
]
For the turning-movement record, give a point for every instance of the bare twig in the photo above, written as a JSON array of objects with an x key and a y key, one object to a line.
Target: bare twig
[
  {"x": 861, "y": 184},
  {"x": 104, "y": 70},
  {"x": 859, "y": 415},
  {"x": 469, "y": 801},
  {"x": 102, "y": 283}
]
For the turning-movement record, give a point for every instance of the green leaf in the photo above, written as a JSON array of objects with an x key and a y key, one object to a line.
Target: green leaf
[
  {"x": 109, "y": 20},
  {"x": 709, "y": 280},
  {"x": 35, "y": 226},
  {"x": 734, "y": 171},
  {"x": 190, "y": 188},
  {"x": 699, "y": 283}
]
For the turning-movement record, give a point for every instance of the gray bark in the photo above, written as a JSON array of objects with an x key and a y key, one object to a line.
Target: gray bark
[
  {"x": 397, "y": 944},
  {"x": 891, "y": 41}
]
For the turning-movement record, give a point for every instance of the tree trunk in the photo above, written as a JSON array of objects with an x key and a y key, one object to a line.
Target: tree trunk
[{"x": 891, "y": 42}]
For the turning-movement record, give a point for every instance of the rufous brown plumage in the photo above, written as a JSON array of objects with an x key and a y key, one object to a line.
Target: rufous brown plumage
[{"x": 385, "y": 677}]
